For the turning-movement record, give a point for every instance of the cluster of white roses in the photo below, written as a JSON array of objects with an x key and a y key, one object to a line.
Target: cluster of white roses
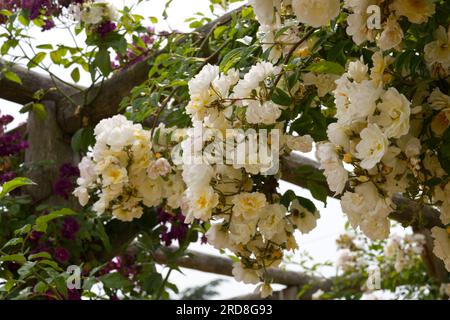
[
  {"x": 371, "y": 133},
  {"x": 389, "y": 34},
  {"x": 279, "y": 21},
  {"x": 246, "y": 217},
  {"x": 400, "y": 252},
  {"x": 125, "y": 174},
  {"x": 377, "y": 133}
]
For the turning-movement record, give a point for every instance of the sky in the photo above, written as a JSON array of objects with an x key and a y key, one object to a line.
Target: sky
[{"x": 319, "y": 243}]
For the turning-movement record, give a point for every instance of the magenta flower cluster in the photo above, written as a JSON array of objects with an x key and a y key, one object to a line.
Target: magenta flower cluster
[
  {"x": 65, "y": 184},
  {"x": 38, "y": 8}
]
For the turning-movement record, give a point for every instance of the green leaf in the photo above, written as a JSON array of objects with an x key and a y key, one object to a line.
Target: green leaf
[
  {"x": 82, "y": 139},
  {"x": 444, "y": 151},
  {"x": 326, "y": 67},
  {"x": 45, "y": 46},
  {"x": 75, "y": 74},
  {"x": 14, "y": 184},
  {"x": 40, "y": 287},
  {"x": 116, "y": 281},
  {"x": 39, "y": 110},
  {"x": 287, "y": 198},
  {"x": 12, "y": 76},
  {"x": 37, "y": 59},
  {"x": 13, "y": 242},
  {"x": 281, "y": 98},
  {"x": 19, "y": 258},
  {"x": 102, "y": 61},
  {"x": 42, "y": 222},
  {"x": 26, "y": 269},
  {"x": 318, "y": 191},
  {"x": 307, "y": 204},
  {"x": 39, "y": 255}
]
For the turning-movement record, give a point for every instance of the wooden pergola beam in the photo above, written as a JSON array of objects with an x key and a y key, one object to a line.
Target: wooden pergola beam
[
  {"x": 32, "y": 81},
  {"x": 223, "y": 266}
]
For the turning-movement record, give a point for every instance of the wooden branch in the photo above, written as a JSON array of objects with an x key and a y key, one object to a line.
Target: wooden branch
[
  {"x": 31, "y": 82},
  {"x": 223, "y": 266}
]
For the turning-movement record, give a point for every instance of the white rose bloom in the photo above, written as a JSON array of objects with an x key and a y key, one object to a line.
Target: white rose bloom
[
  {"x": 299, "y": 143},
  {"x": 242, "y": 274},
  {"x": 303, "y": 219},
  {"x": 254, "y": 78},
  {"x": 411, "y": 146},
  {"x": 366, "y": 209},
  {"x": 128, "y": 211},
  {"x": 316, "y": 13},
  {"x": 338, "y": 134},
  {"x": 201, "y": 202},
  {"x": 334, "y": 170},
  {"x": 266, "y": 113},
  {"x": 242, "y": 230},
  {"x": 325, "y": 82},
  {"x": 223, "y": 83},
  {"x": 392, "y": 34},
  {"x": 439, "y": 51},
  {"x": 272, "y": 220},
  {"x": 380, "y": 63},
  {"x": 265, "y": 10},
  {"x": 442, "y": 245},
  {"x": 417, "y": 11},
  {"x": 200, "y": 91},
  {"x": 438, "y": 100},
  {"x": 394, "y": 114},
  {"x": 357, "y": 21},
  {"x": 114, "y": 175},
  {"x": 116, "y": 132},
  {"x": 92, "y": 14},
  {"x": 358, "y": 71},
  {"x": 173, "y": 190},
  {"x": 218, "y": 237},
  {"x": 159, "y": 168},
  {"x": 445, "y": 289},
  {"x": 264, "y": 289},
  {"x": 443, "y": 194},
  {"x": 355, "y": 101},
  {"x": 372, "y": 147},
  {"x": 197, "y": 174},
  {"x": 248, "y": 205},
  {"x": 266, "y": 36},
  {"x": 82, "y": 194},
  {"x": 149, "y": 190}
]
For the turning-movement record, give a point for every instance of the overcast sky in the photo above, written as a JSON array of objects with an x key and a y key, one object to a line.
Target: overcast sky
[{"x": 320, "y": 243}]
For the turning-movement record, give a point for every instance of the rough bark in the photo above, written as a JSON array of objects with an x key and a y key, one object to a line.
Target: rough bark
[
  {"x": 48, "y": 149},
  {"x": 32, "y": 81}
]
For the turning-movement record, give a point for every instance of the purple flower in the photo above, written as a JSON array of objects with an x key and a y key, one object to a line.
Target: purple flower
[
  {"x": 48, "y": 24},
  {"x": 69, "y": 228},
  {"x": 6, "y": 119},
  {"x": 68, "y": 170},
  {"x": 73, "y": 294},
  {"x": 61, "y": 255},
  {"x": 42, "y": 247},
  {"x": 35, "y": 236},
  {"x": 63, "y": 188},
  {"x": 7, "y": 176},
  {"x": 11, "y": 144},
  {"x": 106, "y": 27}
]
